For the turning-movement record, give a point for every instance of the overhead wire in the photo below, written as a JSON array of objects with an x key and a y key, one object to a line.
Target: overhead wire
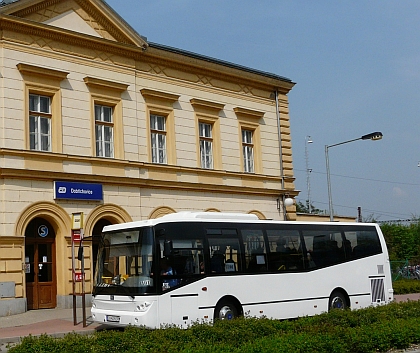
[
  {"x": 360, "y": 178},
  {"x": 378, "y": 212}
]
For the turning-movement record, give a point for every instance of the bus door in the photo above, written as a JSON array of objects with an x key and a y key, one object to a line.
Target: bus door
[
  {"x": 187, "y": 261},
  {"x": 180, "y": 266}
]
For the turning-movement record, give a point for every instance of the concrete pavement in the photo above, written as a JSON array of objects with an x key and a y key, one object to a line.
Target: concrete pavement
[
  {"x": 59, "y": 322},
  {"x": 54, "y": 322}
]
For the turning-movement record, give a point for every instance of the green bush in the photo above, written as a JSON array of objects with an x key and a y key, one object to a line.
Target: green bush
[
  {"x": 375, "y": 329},
  {"x": 406, "y": 286}
]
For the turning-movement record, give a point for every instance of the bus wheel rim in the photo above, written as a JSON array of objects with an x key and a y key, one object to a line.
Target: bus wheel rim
[
  {"x": 337, "y": 303},
  {"x": 226, "y": 313}
]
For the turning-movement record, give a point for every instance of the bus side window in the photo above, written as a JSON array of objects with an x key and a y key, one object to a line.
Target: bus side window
[
  {"x": 186, "y": 256},
  {"x": 255, "y": 251},
  {"x": 367, "y": 243},
  {"x": 285, "y": 250},
  {"x": 327, "y": 248},
  {"x": 224, "y": 250}
]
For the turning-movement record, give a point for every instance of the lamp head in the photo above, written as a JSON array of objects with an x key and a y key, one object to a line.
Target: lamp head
[
  {"x": 288, "y": 201},
  {"x": 373, "y": 136}
]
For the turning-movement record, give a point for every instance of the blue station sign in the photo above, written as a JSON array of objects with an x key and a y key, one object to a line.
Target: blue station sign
[{"x": 77, "y": 191}]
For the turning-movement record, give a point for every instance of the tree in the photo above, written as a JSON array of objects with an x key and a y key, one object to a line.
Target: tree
[
  {"x": 403, "y": 241},
  {"x": 304, "y": 208}
]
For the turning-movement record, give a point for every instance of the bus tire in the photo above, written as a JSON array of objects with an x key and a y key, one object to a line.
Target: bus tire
[
  {"x": 337, "y": 301},
  {"x": 225, "y": 310}
]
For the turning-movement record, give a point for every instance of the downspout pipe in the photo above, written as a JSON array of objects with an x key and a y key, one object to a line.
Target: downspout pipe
[{"x": 280, "y": 155}]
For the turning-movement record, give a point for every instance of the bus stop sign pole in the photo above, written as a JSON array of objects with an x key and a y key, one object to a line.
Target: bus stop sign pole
[{"x": 77, "y": 237}]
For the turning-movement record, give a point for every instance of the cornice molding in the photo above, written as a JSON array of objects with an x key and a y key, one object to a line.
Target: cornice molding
[
  {"x": 10, "y": 240},
  {"x": 97, "y": 12},
  {"x": 112, "y": 30},
  {"x": 119, "y": 163},
  {"x": 32, "y": 70},
  {"x": 200, "y": 103},
  {"x": 252, "y": 114},
  {"x": 142, "y": 183},
  {"x": 36, "y": 7},
  {"x": 215, "y": 70},
  {"x": 65, "y": 36},
  {"x": 163, "y": 183},
  {"x": 205, "y": 72},
  {"x": 149, "y": 93},
  {"x": 104, "y": 84}
]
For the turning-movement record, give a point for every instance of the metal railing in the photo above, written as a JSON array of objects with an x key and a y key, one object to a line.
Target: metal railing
[{"x": 403, "y": 270}]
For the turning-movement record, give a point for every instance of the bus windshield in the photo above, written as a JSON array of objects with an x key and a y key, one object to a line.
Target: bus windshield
[{"x": 125, "y": 262}]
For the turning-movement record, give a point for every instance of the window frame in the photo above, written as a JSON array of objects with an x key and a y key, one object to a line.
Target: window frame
[
  {"x": 107, "y": 93},
  {"x": 250, "y": 120},
  {"x": 161, "y": 103},
  {"x": 39, "y": 116},
  {"x": 155, "y": 134},
  {"x": 206, "y": 145},
  {"x": 103, "y": 126},
  {"x": 45, "y": 82},
  {"x": 248, "y": 151},
  {"x": 207, "y": 112}
]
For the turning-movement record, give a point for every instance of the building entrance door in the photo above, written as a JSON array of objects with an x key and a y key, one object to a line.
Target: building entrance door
[{"x": 40, "y": 267}]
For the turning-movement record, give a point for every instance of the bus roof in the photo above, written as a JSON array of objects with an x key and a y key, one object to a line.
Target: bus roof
[
  {"x": 185, "y": 216},
  {"x": 189, "y": 216}
]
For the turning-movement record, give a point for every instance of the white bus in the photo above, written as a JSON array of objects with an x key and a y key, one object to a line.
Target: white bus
[{"x": 200, "y": 266}]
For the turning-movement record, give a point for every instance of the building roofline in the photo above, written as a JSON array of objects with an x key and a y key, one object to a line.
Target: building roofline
[{"x": 217, "y": 61}]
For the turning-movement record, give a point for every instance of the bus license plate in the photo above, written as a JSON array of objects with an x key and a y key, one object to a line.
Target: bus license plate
[{"x": 112, "y": 318}]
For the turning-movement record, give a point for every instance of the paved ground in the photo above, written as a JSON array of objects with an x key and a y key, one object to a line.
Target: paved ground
[
  {"x": 58, "y": 322},
  {"x": 54, "y": 322}
]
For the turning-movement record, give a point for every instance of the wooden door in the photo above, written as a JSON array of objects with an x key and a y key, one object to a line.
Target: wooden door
[{"x": 41, "y": 283}]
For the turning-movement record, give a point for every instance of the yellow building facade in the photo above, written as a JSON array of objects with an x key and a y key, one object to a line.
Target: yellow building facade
[{"x": 87, "y": 102}]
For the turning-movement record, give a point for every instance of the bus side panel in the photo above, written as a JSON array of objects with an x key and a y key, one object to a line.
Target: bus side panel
[{"x": 287, "y": 295}]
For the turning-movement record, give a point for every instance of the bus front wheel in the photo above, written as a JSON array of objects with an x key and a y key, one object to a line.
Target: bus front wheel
[
  {"x": 337, "y": 301},
  {"x": 225, "y": 310}
]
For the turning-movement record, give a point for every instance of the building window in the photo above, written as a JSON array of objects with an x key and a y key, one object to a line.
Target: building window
[
  {"x": 40, "y": 122},
  {"x": 104, "y": 131},
  {"x": 248, "y": 150},
  {"x": 158, "y": 138},
  {"x": 206, "y": 145}
]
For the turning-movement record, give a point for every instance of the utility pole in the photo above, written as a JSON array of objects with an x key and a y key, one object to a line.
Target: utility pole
[{"x": 308, "y": 172}]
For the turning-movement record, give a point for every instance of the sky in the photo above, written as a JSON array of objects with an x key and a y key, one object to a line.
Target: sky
[{"x": 356, "y": 65}]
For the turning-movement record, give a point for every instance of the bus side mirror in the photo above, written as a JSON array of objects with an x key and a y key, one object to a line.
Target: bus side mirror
[{"x": 168, "y": 248}]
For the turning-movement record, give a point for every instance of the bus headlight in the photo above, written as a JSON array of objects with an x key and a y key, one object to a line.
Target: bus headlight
[{"x": 143, "y": 306}]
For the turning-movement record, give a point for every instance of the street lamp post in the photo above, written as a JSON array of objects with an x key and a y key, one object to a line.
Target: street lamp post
[
  {"x": 373, "y": 136},
  {"x": 308, "y": 172}
]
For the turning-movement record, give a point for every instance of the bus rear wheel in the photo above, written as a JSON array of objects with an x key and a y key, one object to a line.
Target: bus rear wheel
[
  {"x": 225, "y": 310},
  {"x": 337, "y": 301}
]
